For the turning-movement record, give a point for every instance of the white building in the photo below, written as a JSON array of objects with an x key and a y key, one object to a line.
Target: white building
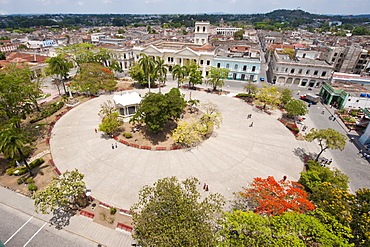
[
  {"x": 127, "y": 103},
  {"x": 300, "y": 71},
  {"x": 201, "y": 32}
]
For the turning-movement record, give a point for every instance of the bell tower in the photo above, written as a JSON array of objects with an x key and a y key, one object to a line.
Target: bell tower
[{"x": 201, "y": 32}]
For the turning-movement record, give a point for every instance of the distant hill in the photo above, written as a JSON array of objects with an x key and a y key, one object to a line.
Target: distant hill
[{"x": 295, "y": 14}]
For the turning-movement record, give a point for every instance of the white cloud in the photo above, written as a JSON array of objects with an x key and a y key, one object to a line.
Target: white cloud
[
  {"x": 106, "y": 1},
  {"x": 4, "y": 1},
  {"x": 80, "y": 3}
]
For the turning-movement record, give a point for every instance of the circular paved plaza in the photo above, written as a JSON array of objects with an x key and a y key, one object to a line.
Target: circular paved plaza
[{"x": 227, "y": 161}]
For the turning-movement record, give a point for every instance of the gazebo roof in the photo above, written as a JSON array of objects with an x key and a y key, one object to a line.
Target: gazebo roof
[{"x": 127, "y": 99}]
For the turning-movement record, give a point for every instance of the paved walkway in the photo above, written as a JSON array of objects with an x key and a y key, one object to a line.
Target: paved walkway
[{"x": 229, "y": 160}]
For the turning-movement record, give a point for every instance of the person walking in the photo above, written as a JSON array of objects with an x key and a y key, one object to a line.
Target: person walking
[
  {"x": 96, "y": 131},
  {"x": 115, "y": 144},
  {"x": 204, "y": 186},
  {"x": 112, "y": 146},
  {"x": 207, "y": 187},
  {"x": 251, "y": 125}
]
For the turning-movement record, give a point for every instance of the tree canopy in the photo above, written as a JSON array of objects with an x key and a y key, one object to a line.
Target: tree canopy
[
  {"x": 289, "y": 229},
  {"x": 67, "y": 190},
  {"x": 271, "y": 197},
  {"x": 296, "y": 107},
  {"x": 327, "y": 138},
  {"x": 157, "y": 109},
  {"x": 174, "y": 213},
  {"x": 216, "y": 77}
]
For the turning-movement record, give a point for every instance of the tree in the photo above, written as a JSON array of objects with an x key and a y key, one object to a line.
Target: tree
[
  {"x": 157, "y": 109},
  {"x": 216, "y": 76},
  {"x": 360, "y": 223},
  {"x": 2, "y": 56},
  {"x": 147, "y": 65},
  {"x": 110, "y": 123},
  {"x": 286, "y": 96},
  {"x": 271, "y": 197},
  {"x": 60, "y": 66},
  {"x": 194, "y": 75},
  {"x": 12, "y": 141},
  {"x": 187, "y": 132},
  {"x": 173, "y": 213},
  {"x": 241, "y": 228},
  {"x": 238, "y": 35},
  {"x": 107, "y": 108},
  {"x": 211, "y": 118},
  {"x": 316, "y": 174},
  {"x": 327, "y": 138},
  {"x": 137, "y": 74},
  {"x": 296, "y": 107},
  {"x": 92, "y": 77},
  {"x": 269, "y": 95},
  {"x": 251, "y": 89},
  {"x": 161, "y": 71},
  {"x": 179, "y": 74},
  {"x": 67, "y": 190}
]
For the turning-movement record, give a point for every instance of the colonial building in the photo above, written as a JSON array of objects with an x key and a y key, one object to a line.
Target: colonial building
[
  {"x": 201, "y": 32},
  {"x": 299, "y": 71}
]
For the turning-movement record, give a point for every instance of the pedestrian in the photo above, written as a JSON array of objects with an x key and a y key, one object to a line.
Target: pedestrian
[
  {"x": 331, "y": 160},
  {"x": 207, "y": 187},
  {"x": 112, "y": 146},
  {"x": 284, "y": 178},
  {"x": 334, "y": 118},
  {"x": 330, "y": 117},
  {"x": 251, "y": 125},
  {"x": 204, "y": 186},
  {"x": 322, "y": 112},
  {"x": 360, "y": 152},
  {"x": 96, "y": 131},
  {"x": 115, "y": 144}
]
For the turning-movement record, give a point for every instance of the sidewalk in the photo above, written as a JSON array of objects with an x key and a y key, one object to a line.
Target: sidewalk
[{"x": 78, "y": 225}]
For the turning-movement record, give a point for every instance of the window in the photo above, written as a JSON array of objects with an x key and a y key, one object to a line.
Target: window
[
  {"x": 316, "y": 72},
  {"x": 207, "y": 73},
  {"x": 236, "y": 66},
  {"x": 253, "y": 68},
  {"x": 304, "y": 55},
  {"x": 323, "y": 73},
  {"x": 335, "y": 54},
  {"x": 201, "y": 62},
  {"x": 307, "y": 72},
  {"x": 227, "y": 66},
  {"x": 124, "y": 56},
  {"x": 286, "y": 70},
  {"x": 197, "y": 29},
  {"x": 292, "y": 71},
  {"x": 333, "y": 59},
  {"x": 208, "y": 62},
  {"x": 244, "y": 67},
  {"x": 169, "y": 59},
  {"x": 300, "y": 71},
  {"x": 218, "y": 65},
  {"x": 204, "y": 29}
]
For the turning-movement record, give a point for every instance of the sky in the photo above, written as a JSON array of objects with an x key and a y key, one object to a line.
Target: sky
[{"x": 342, "y": 7}]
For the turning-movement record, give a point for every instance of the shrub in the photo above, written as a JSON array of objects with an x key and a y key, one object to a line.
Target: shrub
[
  {"x": 127, "y": 135},
  {"x": 20, "y": 180},
  {"x": 352, "y": 120},
  {"x": 346, "y": 118},
  {"x": 113, "y": 210},
  {"x": 242, "y": 95},
  {"x": 29, "y": 181},
  {"x": 353, "y": 113},
  {"x": 10, "y": 171},
  {"x": 36, "y": 163},
  {"x": 21, "y": 170},
  {"x": 32, "y": 187},
  {"x": 342, "y": 111}
]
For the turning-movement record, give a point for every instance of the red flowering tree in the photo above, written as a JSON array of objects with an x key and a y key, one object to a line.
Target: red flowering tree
[{"x": 271, "y": 197}]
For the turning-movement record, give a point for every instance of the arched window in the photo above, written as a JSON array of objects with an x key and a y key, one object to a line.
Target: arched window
[
  {"x": 244, "y": 67},
  {"x": 227, "y": 66},
  {"x": 204, "y": 29},
  {"x": 236, "y": 66},
  {"x": 198, "y": 29}
]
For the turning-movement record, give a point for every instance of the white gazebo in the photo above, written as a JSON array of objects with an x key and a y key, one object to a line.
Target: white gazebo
[{"x": 127, "y": 103}]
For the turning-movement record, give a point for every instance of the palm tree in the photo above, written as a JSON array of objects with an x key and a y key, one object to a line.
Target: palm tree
[
  {"x": 12, "y": 141},
  {"x": 179, "y": 73},
  {"x": 161, "y": 71},
  {"x": 147, "y": 64},
  {"x": 60, "y": 66}
]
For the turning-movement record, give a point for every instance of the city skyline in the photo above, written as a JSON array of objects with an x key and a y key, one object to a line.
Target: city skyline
[{"x": 330, "y": 7}]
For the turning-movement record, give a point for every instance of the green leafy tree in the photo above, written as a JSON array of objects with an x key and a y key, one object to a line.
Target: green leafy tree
[
  {"x": 110, "y": 123},
  {"x": 2, "y": 55},
  {"x": 12, "y": 142},
  {"x": 161, "y": 71},
  {"x": 216, "y": 77},
  {"x": 148, "y": 66},
  {"x": 66, "y": 191},
  {"x": 92, "y": 77},
  {"x": 157, "y": 109},
  {"x": 327, "y": 138},
  {"x": 179, "y": 74},
  {"x": 290, "y": 229},
  {"x": 59, "y": 66},
  {"x": 238, "y": 35},
  {"x": 107, "y": 108},
  {"x": 296, "y": 107},
  {"x": 137, "y": 74},
  {"x": 286, "y": 96},
  {"x": 269, "y": 95},
  {"x": 360, "y": 223},
  {"x": 212, "y": 118},
  {"x": 194, "y": 75},
  {"x": 15, "y": 90},
  {"x": 173, "y": 213}
]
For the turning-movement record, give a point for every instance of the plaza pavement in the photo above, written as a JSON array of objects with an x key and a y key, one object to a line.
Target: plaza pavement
[{"x": 227, "y": 161}]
